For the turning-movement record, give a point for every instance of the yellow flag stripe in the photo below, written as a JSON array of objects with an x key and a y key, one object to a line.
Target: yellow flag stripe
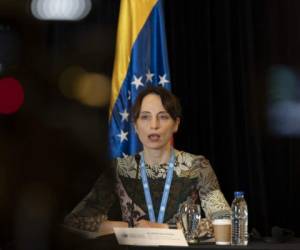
[{"x": 133, "y": 15}]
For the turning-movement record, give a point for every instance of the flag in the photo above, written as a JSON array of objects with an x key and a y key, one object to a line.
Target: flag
[{"x": 141, "y": 60}]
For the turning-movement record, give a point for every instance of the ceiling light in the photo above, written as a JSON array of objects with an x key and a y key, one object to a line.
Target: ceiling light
[{"x": 70, "y": 10}]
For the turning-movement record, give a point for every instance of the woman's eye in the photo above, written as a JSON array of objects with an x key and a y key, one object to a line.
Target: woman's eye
[
  {"x": 144, "y": 117},
  {"x": 164, "y": 117}
]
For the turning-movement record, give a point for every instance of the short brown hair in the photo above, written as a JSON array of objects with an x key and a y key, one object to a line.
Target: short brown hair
[{"x": 169, "y": 101}]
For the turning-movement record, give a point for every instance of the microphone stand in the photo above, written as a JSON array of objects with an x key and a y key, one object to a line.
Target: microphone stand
[{"x": 137, "y": 159}]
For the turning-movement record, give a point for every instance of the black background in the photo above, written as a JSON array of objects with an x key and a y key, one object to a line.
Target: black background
[{"x": 220, "y": 53}]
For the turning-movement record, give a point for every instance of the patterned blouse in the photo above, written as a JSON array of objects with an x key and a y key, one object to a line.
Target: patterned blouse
[{"x": 193, "y": 178}]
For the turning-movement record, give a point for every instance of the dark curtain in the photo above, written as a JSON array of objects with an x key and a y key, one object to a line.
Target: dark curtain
[{"x": 220, "y": 53}]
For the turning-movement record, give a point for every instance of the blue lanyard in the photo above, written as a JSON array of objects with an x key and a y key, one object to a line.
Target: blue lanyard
[{"x": 167, "y": 187}]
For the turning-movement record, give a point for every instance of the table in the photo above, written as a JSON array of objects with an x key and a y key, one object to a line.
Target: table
[{"x": 110, "y": 243}]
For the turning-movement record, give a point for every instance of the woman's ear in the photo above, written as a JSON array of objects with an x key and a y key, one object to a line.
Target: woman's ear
[{"x": 177, "y": 122}]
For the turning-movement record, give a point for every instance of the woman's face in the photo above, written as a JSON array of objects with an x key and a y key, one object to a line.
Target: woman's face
[{"x": 154, "y": 125}]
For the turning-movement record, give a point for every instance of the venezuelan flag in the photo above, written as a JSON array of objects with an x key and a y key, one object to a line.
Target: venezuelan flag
[{"x": 141, "y": 59}]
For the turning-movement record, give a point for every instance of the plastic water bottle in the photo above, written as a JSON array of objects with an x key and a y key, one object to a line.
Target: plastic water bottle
[{"x": 239, "y": 220}]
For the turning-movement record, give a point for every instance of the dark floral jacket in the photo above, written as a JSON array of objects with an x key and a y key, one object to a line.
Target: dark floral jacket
[{"x": 193, "y": 179}]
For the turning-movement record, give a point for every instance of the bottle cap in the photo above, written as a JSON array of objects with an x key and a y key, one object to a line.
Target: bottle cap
[{"x": 238, "y": 194}]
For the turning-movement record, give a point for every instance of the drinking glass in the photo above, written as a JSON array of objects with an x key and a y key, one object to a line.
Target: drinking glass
[{"x": 190, "y": 216}]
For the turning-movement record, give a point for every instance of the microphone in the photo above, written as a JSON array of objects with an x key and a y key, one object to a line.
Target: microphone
[{"x": 137, "y": 158}]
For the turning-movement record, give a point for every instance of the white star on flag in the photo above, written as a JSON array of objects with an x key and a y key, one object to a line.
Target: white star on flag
[
  {"x": 124, "y": 115},
  {"x": 163, "y": 80},
  {"x": 129, "y": 95},
  {"x": 137, "y": 82},
  {"x": 123, "y": 135},
  {"x": 149, "y": 76}
]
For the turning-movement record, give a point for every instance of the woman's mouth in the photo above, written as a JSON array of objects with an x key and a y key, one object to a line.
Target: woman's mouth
[{"x": 154, "y": 137}]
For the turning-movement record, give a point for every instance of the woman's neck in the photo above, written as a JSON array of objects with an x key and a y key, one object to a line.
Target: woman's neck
[{"x": 157, "y": 156}]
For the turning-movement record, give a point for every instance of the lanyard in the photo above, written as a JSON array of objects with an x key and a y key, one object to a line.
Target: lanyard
[{"x": 167, "y": 187}]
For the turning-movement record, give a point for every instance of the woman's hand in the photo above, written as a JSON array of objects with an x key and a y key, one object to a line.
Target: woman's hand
[
  {"x": 107, "y": 226},
  {"x": 145, "y": 223}
]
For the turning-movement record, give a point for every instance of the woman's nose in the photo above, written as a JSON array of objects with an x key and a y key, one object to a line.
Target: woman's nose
[{"x": 154, "y": 123}]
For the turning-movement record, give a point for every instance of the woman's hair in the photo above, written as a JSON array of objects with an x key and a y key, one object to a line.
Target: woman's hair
[{"x": 169, "y": 101}]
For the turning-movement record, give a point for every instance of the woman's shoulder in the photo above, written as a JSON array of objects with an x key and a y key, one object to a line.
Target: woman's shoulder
[
  {"x": 189, "y": 158},
  {"x": 188, "y": 164},
  {"x": 125, "y": 159},
  {"x": 126, "y": 166}
]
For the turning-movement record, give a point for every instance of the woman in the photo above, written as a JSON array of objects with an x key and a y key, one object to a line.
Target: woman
[{"x": 159, "y": 169}]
